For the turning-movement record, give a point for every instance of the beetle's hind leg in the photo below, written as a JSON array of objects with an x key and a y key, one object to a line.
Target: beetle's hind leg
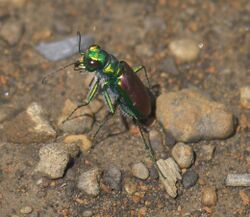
[
  {"x": 149, "y": 147},
  {"x": 139, "y": 68}
]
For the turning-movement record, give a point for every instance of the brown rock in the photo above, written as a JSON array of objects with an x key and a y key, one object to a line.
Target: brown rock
[
  {"x": 209, "y": 196},
  {"x": 191, "y": 116},
  {"x": 29, "y": 126},
  {"x": 81, "y": 140}
]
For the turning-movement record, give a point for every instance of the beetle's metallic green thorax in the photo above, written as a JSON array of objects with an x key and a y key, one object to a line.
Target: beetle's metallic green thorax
[{"x": 112, "y": 67}]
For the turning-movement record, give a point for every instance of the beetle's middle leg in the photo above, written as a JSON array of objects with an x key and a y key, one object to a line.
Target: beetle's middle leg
[{"x": 112, "y": 109}]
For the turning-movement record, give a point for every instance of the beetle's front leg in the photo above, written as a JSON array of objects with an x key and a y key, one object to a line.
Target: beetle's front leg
[
  {"x": 112, "y": 108},
  {"x": 94, "y": 86}
]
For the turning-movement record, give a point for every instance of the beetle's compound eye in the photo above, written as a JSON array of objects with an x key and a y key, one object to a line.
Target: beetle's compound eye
[{"x": 92, "y": 65}]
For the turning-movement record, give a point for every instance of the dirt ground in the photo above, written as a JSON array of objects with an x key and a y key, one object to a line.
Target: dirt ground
[{"x": 138, "y": 32}]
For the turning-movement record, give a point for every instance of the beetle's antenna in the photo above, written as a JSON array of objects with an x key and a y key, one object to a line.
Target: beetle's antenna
[
  {"x": 80, "y": 39},
  {"x": 51, "y": 73}
]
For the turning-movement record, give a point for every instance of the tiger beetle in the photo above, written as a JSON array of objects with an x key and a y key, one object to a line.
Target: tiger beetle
[{"x": 120, "y": 86}]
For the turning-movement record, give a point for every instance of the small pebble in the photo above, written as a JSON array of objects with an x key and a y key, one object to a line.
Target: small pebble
[
  {"x": 87, "y": 213},
  {"x": 183, "y": 155},
  {"x": 53, "y": 161},
  {"x": 245, "y": 196},
  {"x": 189, "y": 178},
  {"x": 189, "y": 115},
  {"x": 89, "y": 182},
  {"x": 238, "y": 180},
  {"x": 112, "y": 177},
  {"x": 12, "y": 31},
  {"x": 168, "y": 65},
  {"x": 245, "y": 97},
  {"x": 81, "y": 140},
  {"x": 140, "y": 171},
  {"x": 185, "y": 49},
  {"x": 26, "y": 210},
  {"x": 209, "y": 196},
  {"x": 171, "y": 173},
  {"x": 206, "y": 152},
  {"x": 130, "y": 186},
  {"x": 142, "y": 211},
  {"x": 156, "y": 141}
]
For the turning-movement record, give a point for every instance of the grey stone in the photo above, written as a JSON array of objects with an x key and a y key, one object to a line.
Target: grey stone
[
  {"x": 238, "y": 180},
  {"x": 89, "y": 182},
  {"x": 168, "y": 65},
  {"x": 189, "y": 178},
  {"x": 112, "y": 177}
]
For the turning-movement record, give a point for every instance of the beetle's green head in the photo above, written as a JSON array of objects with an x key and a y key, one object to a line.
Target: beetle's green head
[{"x": 94, "y": 58}]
